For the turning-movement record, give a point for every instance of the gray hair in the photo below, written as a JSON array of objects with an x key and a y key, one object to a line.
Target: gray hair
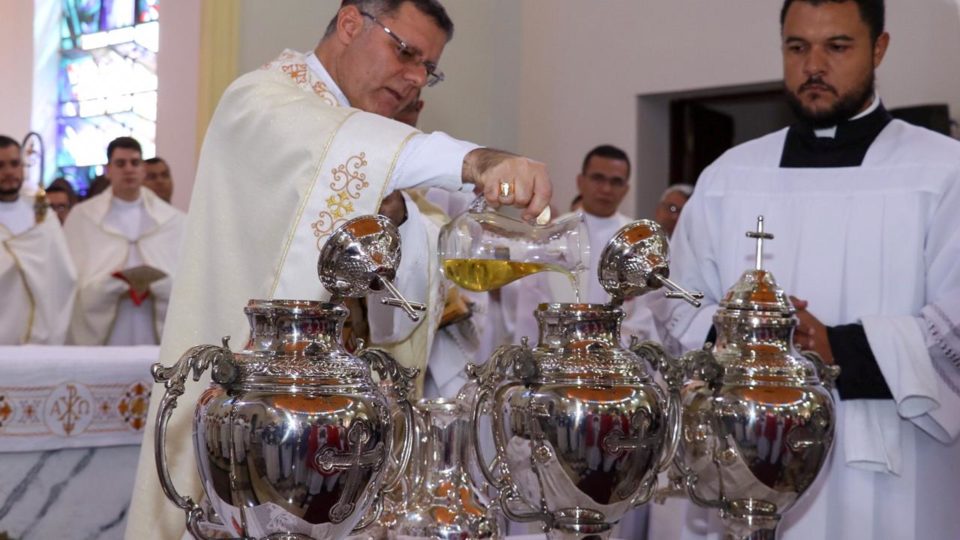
[{"x": 685, "y": 189}]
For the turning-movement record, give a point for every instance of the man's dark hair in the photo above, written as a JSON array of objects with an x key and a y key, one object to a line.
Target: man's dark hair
[
  {"x": 871, "y": 11},
  {"x": 123, "y": 142},
  {"x": 6, "y": 142},
  {"x": 60, "y": 185},
  {"x": 98, "y": 186},
  {"x": 379, "y": 8},
  {"x": 606, "y": 151},
  {"x": 155, "y": 160}
]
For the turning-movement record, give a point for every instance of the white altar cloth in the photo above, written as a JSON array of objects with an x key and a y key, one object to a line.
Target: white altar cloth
[
  {"x": 73, "y": 397},
  {"x": 71, "y": 422}
]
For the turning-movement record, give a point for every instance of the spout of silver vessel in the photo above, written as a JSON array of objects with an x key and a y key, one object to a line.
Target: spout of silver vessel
[
  {"x": 636, "y": 261},
  {"x": 362, "y": 256}
]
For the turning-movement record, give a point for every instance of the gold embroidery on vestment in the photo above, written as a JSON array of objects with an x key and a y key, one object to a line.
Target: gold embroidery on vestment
[
  {"x": 325, "y": 94},
  {"x": 297, "y": 72},
  {"x": 349, "y": 182}
]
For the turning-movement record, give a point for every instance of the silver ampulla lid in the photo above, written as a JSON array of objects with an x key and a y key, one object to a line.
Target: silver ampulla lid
[
  {"x": 757, "y": 289},
  {"x": 636, "y": 261}
]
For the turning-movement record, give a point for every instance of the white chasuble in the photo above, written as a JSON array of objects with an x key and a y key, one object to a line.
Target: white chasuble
[
  {"x": 37, "y": 282},
  {"x": 874, "y": 245},
  {"x": 411, "y": 344},
  {"x": 282, "y": 166},
  {"x": 100, "y": 250}
]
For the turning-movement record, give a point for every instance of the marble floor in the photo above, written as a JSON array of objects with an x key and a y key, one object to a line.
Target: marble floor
[{"x": 68, "y": 494}]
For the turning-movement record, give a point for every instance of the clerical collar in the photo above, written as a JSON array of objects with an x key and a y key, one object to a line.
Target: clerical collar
[
  {"x": 831, "y": 132},
  {"x": 321, "y": 72},
  {"x": 806, "y": 148}
]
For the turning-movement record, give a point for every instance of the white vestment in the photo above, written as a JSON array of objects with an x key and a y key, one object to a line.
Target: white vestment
[
  {"x": 419, "y": 274},
  {"x": 37, "y": 277},
  {"x": 107, "y": 235},
  {"x": 285, "y": 161},
  {"x": 545, "y": 287},
  {"x": 875, "y": 244}
]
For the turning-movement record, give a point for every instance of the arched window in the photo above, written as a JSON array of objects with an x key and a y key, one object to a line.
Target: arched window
[{"x": 107, "y": 84}]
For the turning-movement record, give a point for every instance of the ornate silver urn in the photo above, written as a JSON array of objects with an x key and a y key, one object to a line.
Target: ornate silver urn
[
  {"x": 444, "y": 502},
  {"x": 580, "y": 427},
  {"x": 294, "y": 439},
  {"x": 758, "y": 417}
]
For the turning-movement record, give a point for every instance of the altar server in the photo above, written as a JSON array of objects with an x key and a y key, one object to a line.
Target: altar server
[
  {"x": 603, "y": 183},
  {"x": 866, "y": 215}
]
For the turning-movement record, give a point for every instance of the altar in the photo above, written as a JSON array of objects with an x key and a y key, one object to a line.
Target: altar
[{"x": 71, "y": 423}]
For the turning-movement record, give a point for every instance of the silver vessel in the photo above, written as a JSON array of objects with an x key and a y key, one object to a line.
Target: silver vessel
[
  {"x": 293, "y": 439},
  {"x": 580, "y": 427},
  {"x": 444, "y": 502},
  {"x": 758, "y": 417}
]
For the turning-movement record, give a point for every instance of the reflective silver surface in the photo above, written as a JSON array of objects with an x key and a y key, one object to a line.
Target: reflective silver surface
[
  {"x": 636, "y": 261},
  {"x": 363, "y": 255},
  {"x": 294, "y": 439},
  {"x": 580, "y": 427},
  {"x": 758, "y": 417},
  {"x": 444, "y": 503}
]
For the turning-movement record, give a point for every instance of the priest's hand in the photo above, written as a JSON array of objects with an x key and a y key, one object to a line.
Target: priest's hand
[
  {"x": 811, "y": 334},
  {"x": 509, "y": 179},
  {"x": 394, "y": 208}
]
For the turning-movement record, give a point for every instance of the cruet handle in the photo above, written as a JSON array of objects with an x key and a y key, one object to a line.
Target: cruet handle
[
  {"x": 673, "y": 374},
  {"x": 487, "y": 377},
  {"x": 402, "y": 379},
  {"x": 197, "y": 359}
]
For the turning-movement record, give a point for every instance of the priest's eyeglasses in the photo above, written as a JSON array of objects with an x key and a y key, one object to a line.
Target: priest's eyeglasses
[{"x": 408, "y": 54}]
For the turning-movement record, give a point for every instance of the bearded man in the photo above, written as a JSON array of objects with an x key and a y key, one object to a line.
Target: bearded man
[
  {"x": 865, "y": 213},
  {"x": 37, "y": 276}
]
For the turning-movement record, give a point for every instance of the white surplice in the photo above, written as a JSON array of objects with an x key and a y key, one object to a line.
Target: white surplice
[
  {"x": 106, "y": 235},
  {"x": 284, "y": 162},
  {"x": 876, "y": 244},
  {"x": 539, "y": 288},
  {"x": 37, "y": 277}
]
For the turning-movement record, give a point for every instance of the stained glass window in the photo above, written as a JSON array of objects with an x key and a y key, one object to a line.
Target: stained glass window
[{"x": 107, "y": 83}]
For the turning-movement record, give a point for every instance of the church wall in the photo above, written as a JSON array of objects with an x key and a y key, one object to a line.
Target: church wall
[
  {"x": 628, "y": 48},
  {"x": 478, "y": 99},
  {"x": 553, "y": 78},
  {"x": 178, "y": 68},
  {"x": 547, "y": 78},
  {"x": 16, "y": 66}
]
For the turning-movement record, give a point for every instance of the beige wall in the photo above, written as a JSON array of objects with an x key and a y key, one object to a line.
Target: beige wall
[
  {"x": 553, "y": 78},
  {"x": 16, "y": 66},
  {"x": 547, "y": 78},
  {"x": 178, "y": 67},
  {"x": 621, "y": 49}
]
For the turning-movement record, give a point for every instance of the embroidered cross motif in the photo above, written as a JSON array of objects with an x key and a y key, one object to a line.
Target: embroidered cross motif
[
  {"x": 297, "y": 72},
  {"x": 352, "y": 461},
  {"x": 339, "y": 204}
]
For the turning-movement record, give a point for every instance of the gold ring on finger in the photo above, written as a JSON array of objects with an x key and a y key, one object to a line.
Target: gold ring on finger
[{"x": 506, "y": 189}]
